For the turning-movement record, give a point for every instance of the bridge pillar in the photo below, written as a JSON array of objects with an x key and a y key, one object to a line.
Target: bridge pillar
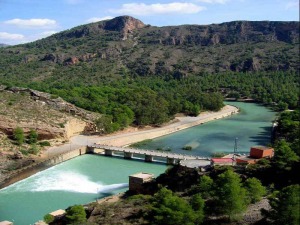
[
  {"x": 128, "y": 155},
  {"x": 148, "y": 158},
  {"x": 109, "y": 152},
  {"x": 171, "y": 161},
  {"x": 90, "y": 150}
]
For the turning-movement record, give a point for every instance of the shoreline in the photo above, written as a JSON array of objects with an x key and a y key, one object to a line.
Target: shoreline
[{"x": 127, "y": 138}]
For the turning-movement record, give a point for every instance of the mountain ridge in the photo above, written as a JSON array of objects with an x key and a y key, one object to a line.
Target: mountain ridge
[{"x": 125, "y": 45}]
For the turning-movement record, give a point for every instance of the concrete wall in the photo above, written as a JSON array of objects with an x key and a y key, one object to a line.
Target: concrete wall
[{"x": 39, "y": 166}]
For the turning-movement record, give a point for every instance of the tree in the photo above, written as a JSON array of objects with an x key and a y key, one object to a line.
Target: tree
[
  {"x": 205, "y": 186},
  {"x": 104, "y": 124},
  {"x": 284, "y": 157},
  {"x": 285, "y": 206},
  {"x": 255, "y": 190},
  {"x": 168, "y": 208},
  {"x": 32, "y": 137},
  {"x": 19, "y": 135},
  {"x": 76, "y": 214},
  {"x": 230, "y": 195},
  {"x": 198, "y": 204}
]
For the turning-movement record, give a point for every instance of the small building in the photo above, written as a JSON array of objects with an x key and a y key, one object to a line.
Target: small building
[
  {"x": 259, "y": 152},
  {"x": 222, "y": 161},
  {"x": 136, "y": 181},
  {"x": 245, "y": 161},
  {"x": 6, "y": 223}
]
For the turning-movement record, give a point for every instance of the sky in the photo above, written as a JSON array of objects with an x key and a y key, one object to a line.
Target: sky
[{"x": 23, "y": 21}]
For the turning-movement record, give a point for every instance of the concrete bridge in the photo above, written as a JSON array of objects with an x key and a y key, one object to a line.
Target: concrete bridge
[{"x": 171, "y": 158}]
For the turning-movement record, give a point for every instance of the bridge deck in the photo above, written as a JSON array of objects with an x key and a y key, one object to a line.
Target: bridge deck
[{"x": 155, "y": 153}]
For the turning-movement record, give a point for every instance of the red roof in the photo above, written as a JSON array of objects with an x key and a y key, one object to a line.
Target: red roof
[{"x": 222, "y": 160}]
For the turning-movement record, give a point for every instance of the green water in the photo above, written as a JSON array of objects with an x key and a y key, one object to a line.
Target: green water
[
  {"x": 252, "y": 126},
  {"x": 86, "y": 178},
  {"x": 78, "y": 181}
]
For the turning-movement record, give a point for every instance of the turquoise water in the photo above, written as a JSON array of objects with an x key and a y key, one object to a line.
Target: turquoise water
[
  {"x": 86, "y": 178},
  {"x": 252, "y": 126},
  {"x": 78, "y": 181}
]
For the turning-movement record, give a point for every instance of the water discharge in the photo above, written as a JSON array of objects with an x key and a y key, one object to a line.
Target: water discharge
[{"x": 78, "y": 181}]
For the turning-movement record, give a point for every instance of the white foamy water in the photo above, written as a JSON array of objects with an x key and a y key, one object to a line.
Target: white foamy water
[{"x": 64, "y": 181}]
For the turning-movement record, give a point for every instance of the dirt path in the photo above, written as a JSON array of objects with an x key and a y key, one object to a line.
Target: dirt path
[{"x": 129, "y": 137}]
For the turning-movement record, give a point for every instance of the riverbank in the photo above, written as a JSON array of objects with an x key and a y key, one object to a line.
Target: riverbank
[{"x": 129, "y": 137}]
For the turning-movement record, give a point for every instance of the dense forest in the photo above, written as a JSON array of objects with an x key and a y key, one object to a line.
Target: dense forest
[{"x": 155, "y": 100}]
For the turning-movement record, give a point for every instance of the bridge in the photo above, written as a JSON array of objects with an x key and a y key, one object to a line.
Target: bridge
[{"x": 171, "y": 158}]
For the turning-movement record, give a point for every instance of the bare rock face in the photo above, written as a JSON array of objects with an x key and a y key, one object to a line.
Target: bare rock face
[{"x": 124, "y": 24}]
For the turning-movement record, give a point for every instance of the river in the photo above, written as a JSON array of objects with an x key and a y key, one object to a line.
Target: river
[
  {"x": 252, "y": 126},
  {"x": 86, "y": 178}
]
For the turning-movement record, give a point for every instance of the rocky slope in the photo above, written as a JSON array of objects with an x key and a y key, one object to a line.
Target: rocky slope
[
  {"x": 126, "y": 46},
  {"x": 52, "y": 118}
]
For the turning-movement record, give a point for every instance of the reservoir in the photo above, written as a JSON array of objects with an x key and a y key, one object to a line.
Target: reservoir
[
  {"x": 251, "y": 126},
  {"x": 90, "y": 177}
]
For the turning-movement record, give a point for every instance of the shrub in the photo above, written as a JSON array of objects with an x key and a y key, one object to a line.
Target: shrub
[
  {"x": 33, "y": 149},
  {"x": 44, "y": 143},
  {"x": 187, "y": 147},
  {"x": 19, "y": 135},
  {"x": 48, "y": 218},
  {"x": 32, "y": 137},
  {"x": 76, "y": 214}
]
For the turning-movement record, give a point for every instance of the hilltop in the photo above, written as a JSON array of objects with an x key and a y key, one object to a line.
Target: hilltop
[{"x": 125, "y": 46}]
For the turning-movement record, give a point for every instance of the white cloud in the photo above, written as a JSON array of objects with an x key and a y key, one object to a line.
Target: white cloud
[
  {"x": 48, "y": 33},
  {"x": 292, "y": 5},
  {"x": 144, "y": 9},
  {"x": 4, "y": 36},
  {"x": 32, "y": 23},
  {"x": 213, "y": 1},
  {"x": 96, "y": 19}
]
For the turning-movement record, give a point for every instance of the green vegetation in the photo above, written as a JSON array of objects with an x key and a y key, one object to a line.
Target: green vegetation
[
  {"x": 255, "y": 190},
  {"x": 44, "y": 143},
  {"x": 19, "y": 135},
  {"x": 32, "y": 137},
  {"x": 76, "y": 214},
  {"x": 285, "y": 206},
  {"x": 168, "y": 208},
  {"x": 48, "y": 218},
  {"x": 141, "y": 143},
  {"x": 187, "y": 147},
  {"x": 230, "y": 195}
]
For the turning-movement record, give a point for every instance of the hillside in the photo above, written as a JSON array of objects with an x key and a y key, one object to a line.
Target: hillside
[
  {"x": 52, "y": 119},
  {"x": 125, "y": 46},
  {"x": 3, "y": 45}
]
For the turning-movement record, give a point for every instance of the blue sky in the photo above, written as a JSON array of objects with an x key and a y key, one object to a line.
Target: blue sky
[{"x": 24, "y": 21}]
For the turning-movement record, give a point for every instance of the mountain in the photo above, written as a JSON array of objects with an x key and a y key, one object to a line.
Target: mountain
[{"x": 126, "y": 46}]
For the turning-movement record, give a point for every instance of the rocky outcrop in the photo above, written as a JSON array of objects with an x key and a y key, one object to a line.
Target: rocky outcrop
[
  {"x": 123, "y": 24},
  {"x": 45, "y": 132}
]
